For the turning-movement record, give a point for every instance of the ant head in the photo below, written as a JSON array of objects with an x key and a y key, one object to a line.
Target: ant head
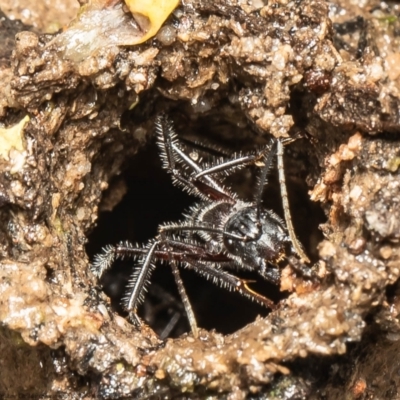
[{"x": 255, "y": 240}]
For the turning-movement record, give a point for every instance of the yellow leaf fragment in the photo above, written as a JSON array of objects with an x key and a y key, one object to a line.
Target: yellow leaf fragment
[
  {"x": 150, "y": 15},
  {"x": 12, "y": 137},
  {"x": 105, "y": 23}
]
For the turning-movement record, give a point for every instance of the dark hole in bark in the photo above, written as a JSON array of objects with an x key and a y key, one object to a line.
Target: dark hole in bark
[{"x": 152, "y": 199}]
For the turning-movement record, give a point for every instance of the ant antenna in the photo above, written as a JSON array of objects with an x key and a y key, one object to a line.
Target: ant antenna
[
  {"x": 262, "y": 180},
  {"x": 285, "y": 203}
]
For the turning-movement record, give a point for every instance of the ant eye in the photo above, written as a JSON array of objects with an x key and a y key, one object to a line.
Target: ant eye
[{"x": 194, "y": 155}]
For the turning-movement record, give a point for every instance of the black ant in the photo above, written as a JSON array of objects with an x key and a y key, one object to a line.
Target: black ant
[{"x": 218, "y": 234}]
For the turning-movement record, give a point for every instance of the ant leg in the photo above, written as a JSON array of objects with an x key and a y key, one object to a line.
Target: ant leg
[
  {"x": 228, "y": 281},
  {"x": 238, "y": 161},
  {"x": 171, "y": 154},
  {"x": 197, "y": 228},
  {"x": 104, "y": 260},
  {"x": 181, "y": 289},
  {"x": 185, "y": 300},
  {"x": 139, "y": 280},
  {"x": 134, "y": 318},
  {"x": 196, "y": 147},
  {"x": 285, "y": 203}
]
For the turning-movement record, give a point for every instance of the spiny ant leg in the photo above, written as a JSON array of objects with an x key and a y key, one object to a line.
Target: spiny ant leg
[
  {"x": 104, "y": 260},
  {"x": 285, "y": 202},
  {"x": 226, "y": 165},
  {"x": 185, "y": 300},
  {"x": 197, "y": 228},
  {"x": 135, "y": 320},
  {"x": 139, "y": 280},
  {"x": 181, "y": 288},
  {"x": 173, "y": 153},
  {"x": 169, "y": 142},
  {"x": 209, "y": 181},
  {"x": 229, "y": 281},
  {"x": 210, "y": 148},
  {"x": 179, "y": 248},
  {"x": 238, "y": 161}
]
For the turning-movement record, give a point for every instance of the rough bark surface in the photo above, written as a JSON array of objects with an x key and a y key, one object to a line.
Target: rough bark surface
[{"x": 326, "y": 72}]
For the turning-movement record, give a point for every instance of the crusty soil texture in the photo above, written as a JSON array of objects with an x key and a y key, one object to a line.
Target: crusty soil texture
[{"x": 77, "y": 150}]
